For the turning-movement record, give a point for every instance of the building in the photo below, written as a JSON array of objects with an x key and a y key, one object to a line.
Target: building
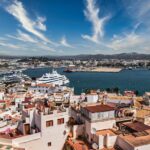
[
  {"x": 136, "y": 136},
  {"x": 97, "y": 117},
  {"x": 39, "y": 127},
  {"x": 146, "y": 98},
  {"x": 92, "y": 98}
]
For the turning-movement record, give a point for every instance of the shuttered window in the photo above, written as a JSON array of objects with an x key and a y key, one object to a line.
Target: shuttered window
[
  {"x": 60, "y": 121},
  {"x": 49, "y": 123}
]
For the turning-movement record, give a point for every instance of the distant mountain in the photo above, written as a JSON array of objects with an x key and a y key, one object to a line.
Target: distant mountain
[{"x": 126, "y": 56}]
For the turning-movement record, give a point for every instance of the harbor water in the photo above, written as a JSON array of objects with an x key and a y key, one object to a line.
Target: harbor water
[{"x": 138, "y": 79}]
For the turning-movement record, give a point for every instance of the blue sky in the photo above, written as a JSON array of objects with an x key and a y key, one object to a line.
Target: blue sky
[{"x": 70, "y": 27}]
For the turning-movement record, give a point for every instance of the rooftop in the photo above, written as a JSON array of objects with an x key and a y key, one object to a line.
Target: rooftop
[
  {"x": 44, "y": 85},
  {"x": 10, "y": 134},
  {"x": 142, "y": 113},
  {"x": 99, "y": 108},
  {"x": 104, "y": 132},
  {"x": 77, "y": 145},
  {"x": 147, "y": 93},
  {"x": 8, "y": 147},
  {"x": 118, "y": 97},
  {"x": 136, "y": 141},
  {"x": 137, "y": 126}
]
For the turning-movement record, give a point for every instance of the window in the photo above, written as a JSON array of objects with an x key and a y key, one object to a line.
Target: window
[
  {"x": 60, "y": 121},
  {"x": 49, "y": 123},
  {"x": 49, "y": 143},
  {"x": 99, "y": 115}
]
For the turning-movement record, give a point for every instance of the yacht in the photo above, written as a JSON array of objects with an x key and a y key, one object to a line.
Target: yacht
[
  {"x": 16, "y": 77},
  {"x": 53, "y": 78},
  {"x": 67, "y": 70}
]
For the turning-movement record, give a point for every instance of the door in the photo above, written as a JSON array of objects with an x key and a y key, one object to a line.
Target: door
[{"x": 27, "y": 128}]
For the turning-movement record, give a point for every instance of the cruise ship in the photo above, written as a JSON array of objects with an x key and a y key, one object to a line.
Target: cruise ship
[{"x": 53, "y": 78}]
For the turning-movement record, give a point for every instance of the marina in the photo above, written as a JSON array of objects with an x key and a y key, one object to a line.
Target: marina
[
  {"x": 137, "y": 79},
  {"x": 126, "y": 79}
]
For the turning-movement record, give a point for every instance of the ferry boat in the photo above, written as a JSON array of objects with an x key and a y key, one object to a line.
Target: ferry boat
[{"x": 53, "y": 78}]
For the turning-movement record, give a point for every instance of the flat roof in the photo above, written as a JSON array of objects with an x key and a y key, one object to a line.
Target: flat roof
[
  {"x": 142, "y": 113},
  {"x": 136, "y": 141},
  {"x": 116, "y": 97},
  {"x": 147, "y": 93},
  {"x": 9, "y": 147},
  {"x": 99, "y": 108},
  {"x": 104, "y": 132},
  {"x": 137, "y": 126}
]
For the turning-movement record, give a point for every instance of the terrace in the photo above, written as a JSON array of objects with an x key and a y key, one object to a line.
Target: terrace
[
  {"x": 136, "y": 141},
  {"x": 10, "y": 134},
  {"x": 105, "y": 132},
  {"x": 8, "y": 147},
  {"x": 18, "y": 139}
]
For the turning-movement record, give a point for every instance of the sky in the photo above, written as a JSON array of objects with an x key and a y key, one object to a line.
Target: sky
[{"x": 72, "y": 27}]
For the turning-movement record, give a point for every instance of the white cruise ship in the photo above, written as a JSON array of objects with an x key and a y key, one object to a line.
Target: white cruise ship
[{"x": 53, "y": 78}]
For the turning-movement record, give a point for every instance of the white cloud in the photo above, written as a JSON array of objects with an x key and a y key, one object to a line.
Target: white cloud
[
  {"x": 23, "y": 37},
  {"x": 4, "y": 44},
  {"x": 92, "y": 14},
  {"x": 65, "y": 43},
  {"x": 40, "y": 23},
  {"x": 128, "y": 41},
  {"x": 3, "y": 39},
  {"x": 44, "y": 47},
  {"x": 143, "y": 8},
  {"x": 139, "y": 11},
  {"x": 18, "y": 11}
]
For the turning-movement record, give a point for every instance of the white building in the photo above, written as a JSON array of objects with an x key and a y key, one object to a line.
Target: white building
[
  {"x": 48, "y": 88},
  {"x": 138, "y": 139},
  {"x": 43, "y": 88},
  {"x": 45, "y": 130},
  {"x": 2, "y": 95},
  {"x": 98, "y": 117},
  {"x": 92, "y": 98},
  {"x": 146, "y": 98}
]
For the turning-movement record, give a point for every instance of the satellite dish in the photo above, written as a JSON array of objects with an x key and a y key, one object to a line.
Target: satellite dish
[
  {"x": 93, "y": 131},
  {"x": 94, "y": 146}
]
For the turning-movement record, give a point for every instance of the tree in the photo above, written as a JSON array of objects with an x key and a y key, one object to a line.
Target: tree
[
  {"x": 116, "y": 90},
  {"x": 87, "y": 91},
  {"x": 136, "y": 92},
  {"x": 108, "y": 90}
]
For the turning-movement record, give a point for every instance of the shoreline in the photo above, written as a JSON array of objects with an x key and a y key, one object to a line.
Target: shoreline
[{"x": 100, "y": 69}]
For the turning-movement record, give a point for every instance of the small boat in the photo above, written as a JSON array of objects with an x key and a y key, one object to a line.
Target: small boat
[
  {"x": 68, "y": 70},
  {"x": 130, "y": 68}
]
